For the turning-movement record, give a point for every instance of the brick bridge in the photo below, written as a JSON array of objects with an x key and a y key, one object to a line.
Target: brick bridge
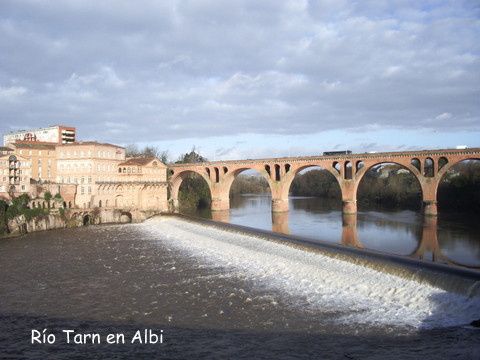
[{"x": 428, "y": 166}]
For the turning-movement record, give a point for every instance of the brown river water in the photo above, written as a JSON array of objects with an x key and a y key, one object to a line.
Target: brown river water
[{"x": 216, "y": 294}]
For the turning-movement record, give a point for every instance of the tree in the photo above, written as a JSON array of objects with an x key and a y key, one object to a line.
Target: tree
[
  {"x": 47, "y": 196},
  {"x": 132, "y": 150},
  {"x": 191, "y": 157}
]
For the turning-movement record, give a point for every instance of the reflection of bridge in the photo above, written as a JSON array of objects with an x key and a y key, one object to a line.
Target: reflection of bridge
[
  {"x": 428, "y": 166},
  {"x": 427, "y": 244}
]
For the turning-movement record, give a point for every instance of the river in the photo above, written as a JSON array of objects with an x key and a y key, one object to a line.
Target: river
[
  {"x": 451, "y": 238},
  {"x": 218, "y": 294}
]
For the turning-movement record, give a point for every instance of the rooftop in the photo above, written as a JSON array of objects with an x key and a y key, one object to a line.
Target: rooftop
[
  {"x": 42, "y": 128},
  {"x": 76, "y": 143},
  {"x": 34, "y": 145},
  {"x": 139, "y": 161}
]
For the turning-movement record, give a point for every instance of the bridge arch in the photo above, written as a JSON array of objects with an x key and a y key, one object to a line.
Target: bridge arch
[
  {"x": 330, "y": 170},
  {"x": 235, "y": 175},
  {"x": 448, "y": 165},
  {"x": 411, "y": 168},
  {"x": 442, "y": 177},
  {"x": 230, "y": 178},
  {"x": 177, "y": 179}
]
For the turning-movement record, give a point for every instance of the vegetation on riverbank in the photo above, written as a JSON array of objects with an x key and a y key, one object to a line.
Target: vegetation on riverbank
[
  {"x": 19, "y": 206},
  {"x": 249, "y": 184},
  {"x": 461, "y": 189}
]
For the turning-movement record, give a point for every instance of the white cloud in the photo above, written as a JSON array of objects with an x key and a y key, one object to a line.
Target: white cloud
[
  {"x": 12, "y": 92},
  {"x": 177, "y": 69},
  {"x": 443, "y": 116}
]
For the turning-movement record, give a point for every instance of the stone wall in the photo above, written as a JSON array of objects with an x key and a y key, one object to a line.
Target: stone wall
[{"x": 75, "y": 218}]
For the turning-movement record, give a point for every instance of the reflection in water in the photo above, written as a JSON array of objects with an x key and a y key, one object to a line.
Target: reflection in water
[
  {"x": 280, "y": 222},
  {"x": 428, "y": 247},
  {"x": 221, "y": 215},
  {"x": 349, "y": 231},
  {"x": 451, "y": 239}
]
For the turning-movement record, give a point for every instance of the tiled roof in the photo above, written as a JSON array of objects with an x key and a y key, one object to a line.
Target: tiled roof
[
  {"x": 90, "y": 143},
  {"x": 139, "y": 161},
  {"x": 34, "y": 145}
]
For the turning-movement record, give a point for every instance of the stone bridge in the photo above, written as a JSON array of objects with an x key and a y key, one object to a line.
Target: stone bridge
[{"x": 428, "y": 167}]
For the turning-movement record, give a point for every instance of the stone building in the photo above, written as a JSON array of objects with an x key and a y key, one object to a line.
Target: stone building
[
  {"x": 41, "y": 155},
  {"x": 15, "y": 173},
  {"x": 139, "y": 183},
  {"x": 86, "y": 173},
  {"x": 84, "y": 164}
]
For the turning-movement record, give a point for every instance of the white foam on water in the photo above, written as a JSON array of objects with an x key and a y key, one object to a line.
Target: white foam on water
[{"x": 361, "y": 294}]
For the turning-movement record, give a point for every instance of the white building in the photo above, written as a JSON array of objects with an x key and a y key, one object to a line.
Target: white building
[{"x": 58, "y": 134}]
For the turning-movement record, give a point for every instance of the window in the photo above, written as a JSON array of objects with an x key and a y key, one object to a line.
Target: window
[{"x": 82, "y": 190}]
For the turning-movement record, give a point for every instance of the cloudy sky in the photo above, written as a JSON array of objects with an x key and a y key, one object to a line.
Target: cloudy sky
[{"x": 245, "y": 79}]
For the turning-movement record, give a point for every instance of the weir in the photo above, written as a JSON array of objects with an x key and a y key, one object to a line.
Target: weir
[{"x": 451, "y": 278}]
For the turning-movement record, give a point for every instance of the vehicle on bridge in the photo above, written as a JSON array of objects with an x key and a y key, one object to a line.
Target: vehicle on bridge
[{"x": 342, "y": 152}]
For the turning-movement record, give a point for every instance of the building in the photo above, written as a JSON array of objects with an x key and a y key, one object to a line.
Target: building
[
  {"x": 85, "y": 163},
  {"x": 86, "y": 173},
  {"x": 42, "y": 156},
  {"x": 58, "y": 134},
  {"x": 15, "y": 172},
  {"x": 139, "y": 183}
]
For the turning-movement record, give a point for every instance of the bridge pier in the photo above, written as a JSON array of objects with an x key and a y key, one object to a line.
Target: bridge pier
[
  {"x": 220, "y": 204},
  {"x": 220, "y": 197},
  {"x": 349, "y": 207},
  {"x": 430, "y": 208},
  {"x": 279, "y": 205},
  {"x": 175, "y": 205}
]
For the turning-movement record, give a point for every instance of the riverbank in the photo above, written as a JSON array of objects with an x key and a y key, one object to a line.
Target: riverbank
[{"x": 72, "y": 218}]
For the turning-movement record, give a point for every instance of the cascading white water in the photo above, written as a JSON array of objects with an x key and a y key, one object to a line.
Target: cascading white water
[{"x": 360, "y": 295}]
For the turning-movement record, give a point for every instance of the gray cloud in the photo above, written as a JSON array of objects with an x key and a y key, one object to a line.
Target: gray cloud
[{"x": 157, "y": 70}]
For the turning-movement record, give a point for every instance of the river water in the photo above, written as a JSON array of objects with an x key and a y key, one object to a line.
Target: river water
[
  {"x": 216, "y": 294},
  {"x": 451, "y": 239}
]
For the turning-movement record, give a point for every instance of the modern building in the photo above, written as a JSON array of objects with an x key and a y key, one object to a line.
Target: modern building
[{"x": 58, "y": 134}]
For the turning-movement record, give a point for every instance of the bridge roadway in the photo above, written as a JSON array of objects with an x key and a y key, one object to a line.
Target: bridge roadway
[{"x": 428, "y": 167}]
